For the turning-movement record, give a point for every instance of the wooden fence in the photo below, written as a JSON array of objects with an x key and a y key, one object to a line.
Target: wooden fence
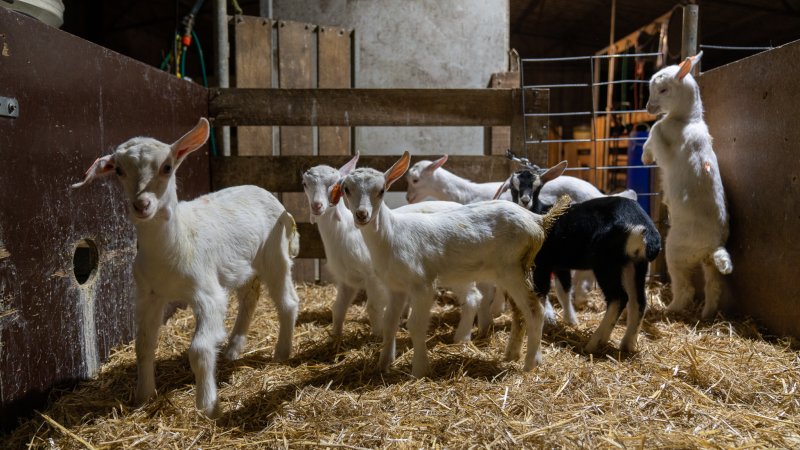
[{"x": 294, "y": 107}]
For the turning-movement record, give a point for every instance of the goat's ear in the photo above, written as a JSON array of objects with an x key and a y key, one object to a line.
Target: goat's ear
[
  {"x": 347, "y": 168},
  {"x": 336, "y": 192},
  {"x": 687, "y": 65},
  {"x": 503, "y": 187},
  {"x": 436, "y": 164},
  {"x": 397, "y": 170},
  {"x": 100, "y": 167},
  {"x": 192, "y": 140},
  {"x": 553, "y": 172}
]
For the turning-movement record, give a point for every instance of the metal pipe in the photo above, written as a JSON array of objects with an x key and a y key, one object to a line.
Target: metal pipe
[
  {"x": 689, "y": 36},
  {"x": 222, "y": 50}
]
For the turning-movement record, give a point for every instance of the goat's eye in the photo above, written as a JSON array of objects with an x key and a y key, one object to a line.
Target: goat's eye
[
  {"x": 380, "y": 194},
  {"x": 346, "y": 191},
  {"x": 304, "y": 185},
  {"x": 414, "y": 181},
  {"x": 167, "y": 169},
  {"x": 662, "y": 90},
  {"x": 119, "y": 171}
]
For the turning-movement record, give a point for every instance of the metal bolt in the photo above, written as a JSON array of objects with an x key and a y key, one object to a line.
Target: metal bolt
[{"x": 11, "y": 108}]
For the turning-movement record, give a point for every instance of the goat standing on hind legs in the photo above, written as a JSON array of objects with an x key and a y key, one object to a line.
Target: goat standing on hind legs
[
  {"x": 680, "y": 144},
  {"x": 196, "y": 252}
]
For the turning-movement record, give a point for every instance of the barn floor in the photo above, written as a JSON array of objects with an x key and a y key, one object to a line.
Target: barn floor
[{"x": 692, "y": 385}]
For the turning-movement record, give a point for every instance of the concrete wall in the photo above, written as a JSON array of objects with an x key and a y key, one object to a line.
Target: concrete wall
[
  {"x": 752, "y": 110},
  {"x": 419, "y": 44}
]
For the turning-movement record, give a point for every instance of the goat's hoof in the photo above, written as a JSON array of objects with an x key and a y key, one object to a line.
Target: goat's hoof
[
  {"x": 709, "y": 314},
  {"x": 628, "y": 347},
  {"x": 532, "y": 363},
  {"x": 420, "y": 370},
  {"x": 591, "y": 347},
  {"x": 281, "y": 355},
  {"x": 512, "y": 355},
  {"x": 213, "y": 411}
]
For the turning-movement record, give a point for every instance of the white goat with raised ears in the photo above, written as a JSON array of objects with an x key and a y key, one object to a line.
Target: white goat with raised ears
[
  {"x": 495, "y": 240},
  {"x": 195, "y": 252},
  {"x": 680, "y": 144},
  {"x": 349, "y": 259}
]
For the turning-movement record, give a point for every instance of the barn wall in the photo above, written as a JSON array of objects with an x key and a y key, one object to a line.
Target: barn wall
[
  {"x": 752, "y": 110},
  {"x": 77, "y": 102},
  {"x": 420, "y": 44}
]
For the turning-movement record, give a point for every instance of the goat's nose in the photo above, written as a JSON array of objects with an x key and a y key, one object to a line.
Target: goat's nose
[
  {"x": 361, "y": 215},
  {"x": 316, "y": 206},
  {"x": 141, "y": 204},
  {"x": 526, "y": 199}
]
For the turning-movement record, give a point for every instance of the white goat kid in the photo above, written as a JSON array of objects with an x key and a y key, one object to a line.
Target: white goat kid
[
  {"x": 195, "y": 252},
  {"x": 349, "y": 259},
  {"x": 680, "y": 144},
  {"x": 485, "y": 241}
]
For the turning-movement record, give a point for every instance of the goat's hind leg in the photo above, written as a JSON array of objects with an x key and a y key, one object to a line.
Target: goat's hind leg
[
  {"x": 248, "y": 299},
  {"x": 345, "y": 295},
  {"x": 278, "y": 279},
  {"x": 563, "y": 285},
  {"x": 470, "y": 299},
  {"x": 610, "y": 281},
  {"x": 530, "y": 306},
  {"x": 633, "y": 278}
]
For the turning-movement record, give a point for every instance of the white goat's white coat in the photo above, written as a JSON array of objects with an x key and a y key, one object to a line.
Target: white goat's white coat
[
  {"x": 195, "y": 252},
  {"x": 349, "y": 259},
  {"x": 680, "y": 144},
  {"x": 493, "y": 240}
]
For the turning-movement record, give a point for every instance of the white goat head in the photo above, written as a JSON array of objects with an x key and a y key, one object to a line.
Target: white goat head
[
  {"x": 146, "y": 169},
  {"x": 420, "y": 179},
  {"x": 319, "y": 182},
  {"x": 364, "y": 188},
  {"x": 673, "y": 88}
]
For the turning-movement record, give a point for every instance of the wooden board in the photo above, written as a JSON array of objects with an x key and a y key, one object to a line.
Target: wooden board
[
  {"x": 364, "y": 107},
  {"x": 283, "y": 173},
  {"x": 756, "y": 138},
  {"x": 498, "y": 138},
  {"x": 295, "y": 41},
  {"x": 334, "y": 68},
  {"x": 253, "y": 61},
  {"x": 77, "y": 102}
]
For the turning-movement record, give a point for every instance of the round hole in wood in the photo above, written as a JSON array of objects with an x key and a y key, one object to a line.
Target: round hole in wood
[{"x": 85, "y": 261}]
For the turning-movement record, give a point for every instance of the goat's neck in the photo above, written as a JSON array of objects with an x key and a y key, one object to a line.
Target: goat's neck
[
  {"x": 164, "y": 231},
  {"x": 378, "y": 234},
  {"x": 690, "y": 111},
  {"x": 455, "y": 188}
]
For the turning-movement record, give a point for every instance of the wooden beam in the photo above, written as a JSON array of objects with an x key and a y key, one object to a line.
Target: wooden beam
[
  {"x": 363, "y": 107},
  {"x": 283, "y": 173}
]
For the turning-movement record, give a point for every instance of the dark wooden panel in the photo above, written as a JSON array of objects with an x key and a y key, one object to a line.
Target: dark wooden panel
[
  {"x": 756, "y": 139},
  {"x": 537, "y": 128},
  {"x": 334, "y": 67},
  {"x": 253, "y": 60},
  {"x": 364, "y": 107},
  {"x": 282, "y": 173},
  {"x": 77, "y": 102},
  {"x": 295, "y": 71},
  {"x": 498, "y": 138},
  {"x": 310, "y": 241}
]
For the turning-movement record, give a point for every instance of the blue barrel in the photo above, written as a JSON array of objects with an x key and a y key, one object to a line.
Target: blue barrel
[{"x": 638, "y": 179}]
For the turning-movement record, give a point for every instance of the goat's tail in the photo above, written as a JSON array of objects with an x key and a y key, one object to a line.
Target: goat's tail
[
  {"x": 722, "y": 260},
  {"x": 290, "y": 228},
  {"x": 560, "y": 207}
]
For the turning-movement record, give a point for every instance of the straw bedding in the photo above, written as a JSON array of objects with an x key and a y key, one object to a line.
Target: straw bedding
[{"x": 692, "y": 384}]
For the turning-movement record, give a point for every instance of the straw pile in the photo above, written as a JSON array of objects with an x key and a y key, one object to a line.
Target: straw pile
[{"x": 693, "y": 384}]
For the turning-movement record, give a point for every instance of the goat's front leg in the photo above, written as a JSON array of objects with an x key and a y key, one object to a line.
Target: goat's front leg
[
  {"x": 209, "y": 311},
  {"x": 149, "y": 314},
  {"x": 653, "y": 142},
  {"x": 422, "y": 299},
  {"x": 391, "y": 322}
]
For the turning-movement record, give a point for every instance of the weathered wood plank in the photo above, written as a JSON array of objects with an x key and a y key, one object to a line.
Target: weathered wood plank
[
  {"x": 283, "y": 173},
  {"x": 310, "y": 241},
  {"x": 498, "y": 138},
  {"x": 253, "y": 61},
  {"x": 334, "y": 67},
  {"x": 364, "y": 107},
  {"x": 537, "y": 128},
  {"x": 295, "y": 63},
  {"x": 334, "y": 64}
]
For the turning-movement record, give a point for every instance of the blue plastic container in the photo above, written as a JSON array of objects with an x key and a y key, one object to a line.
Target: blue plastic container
[{"x": 638, "y": 179}]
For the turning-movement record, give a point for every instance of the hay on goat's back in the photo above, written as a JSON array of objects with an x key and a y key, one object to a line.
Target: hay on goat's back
[{"x": 691, "y": 385}]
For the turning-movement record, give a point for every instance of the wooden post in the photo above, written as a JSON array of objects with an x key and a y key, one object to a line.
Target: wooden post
[{"x": 253, "y": 60}]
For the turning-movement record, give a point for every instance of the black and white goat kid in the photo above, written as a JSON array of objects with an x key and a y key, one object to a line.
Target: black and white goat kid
[{"x": 612, "y": 236}]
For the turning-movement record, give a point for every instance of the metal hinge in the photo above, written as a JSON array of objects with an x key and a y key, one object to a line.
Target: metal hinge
[{"x": 9, "y": 107}]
